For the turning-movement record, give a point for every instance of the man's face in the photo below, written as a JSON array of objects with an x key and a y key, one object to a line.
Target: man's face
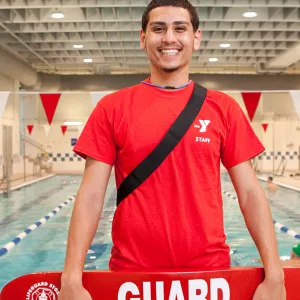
[{"x": 169, "y": 39}]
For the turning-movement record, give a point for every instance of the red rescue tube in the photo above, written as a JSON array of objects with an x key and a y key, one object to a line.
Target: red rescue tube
[{"x": 238, "y": 283}]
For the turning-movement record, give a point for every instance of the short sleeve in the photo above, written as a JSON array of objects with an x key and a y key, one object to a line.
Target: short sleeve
[
  {"x": 241, "y": 143},
  {"x": 96, "y": 139}
]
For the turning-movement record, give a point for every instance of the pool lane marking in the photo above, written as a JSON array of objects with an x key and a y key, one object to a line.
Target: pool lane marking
[
  {"x": 27, "y": 206},
  {"x": 11, "y": 245},
  {"x": 278, "y": 225}
]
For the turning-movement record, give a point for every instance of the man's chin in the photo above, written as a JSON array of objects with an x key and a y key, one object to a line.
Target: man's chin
[{"x": 170, "y": 69}]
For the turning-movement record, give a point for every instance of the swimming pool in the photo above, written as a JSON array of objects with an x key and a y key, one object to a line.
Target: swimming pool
[
  {"x": 285, "y": 207},
  {"x": 44, "y": 249}
]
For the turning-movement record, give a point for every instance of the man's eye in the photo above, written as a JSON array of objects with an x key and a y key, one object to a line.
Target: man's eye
[
  {"x": 158, "y": 29},
  {"x": 180, "y": 29}
]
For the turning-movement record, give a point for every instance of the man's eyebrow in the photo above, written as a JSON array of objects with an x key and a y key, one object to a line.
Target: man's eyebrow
[
  {"x": 157, "y": 23},
  {"x": 163, "y": 23},
  {"x": 181, "y": 23}
]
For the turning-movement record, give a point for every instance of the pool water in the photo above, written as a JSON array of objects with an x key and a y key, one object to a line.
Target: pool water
[
  {"x": 44, "y": 248},
  {"x": 285, "y": 208}
]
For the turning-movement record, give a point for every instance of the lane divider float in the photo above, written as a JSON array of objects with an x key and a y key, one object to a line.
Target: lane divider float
[
  {"x": 11, "y": 245},
  {"x": 278, "y": 225}
]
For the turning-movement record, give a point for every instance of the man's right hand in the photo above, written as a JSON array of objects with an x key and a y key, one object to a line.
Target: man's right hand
[{"x": 74, "y": 293}]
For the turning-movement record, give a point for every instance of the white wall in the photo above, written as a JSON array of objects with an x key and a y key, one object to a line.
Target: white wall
[
  {"x": 71, "y": 107},
  {"x": 10, "y": 117},
  {"x": 274, "y": 108},
  {"x": 282, "y": 138}
]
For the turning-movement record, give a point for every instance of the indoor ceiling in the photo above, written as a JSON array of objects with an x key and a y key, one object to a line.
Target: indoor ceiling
[{"x": 109, "y": 33}]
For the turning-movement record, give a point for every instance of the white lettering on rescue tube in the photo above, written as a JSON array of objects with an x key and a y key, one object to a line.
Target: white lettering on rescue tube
[{"x": 195, "y": 286}]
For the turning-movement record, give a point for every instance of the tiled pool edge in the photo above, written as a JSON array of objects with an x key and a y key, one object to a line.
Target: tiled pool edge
[{"x": 28, "y": 183}]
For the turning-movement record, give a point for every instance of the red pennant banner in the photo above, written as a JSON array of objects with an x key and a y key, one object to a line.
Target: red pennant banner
[
  {"x": 63, "y": 129},
  {"x": 30, "y": 127},
  {"x": 50, "y": 102},
  {"x": 265, "y": 126},
  {"x": 251, "y": 101}
]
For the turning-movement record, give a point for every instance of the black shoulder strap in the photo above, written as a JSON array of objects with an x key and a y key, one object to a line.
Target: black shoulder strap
[{"x": 165, "y": 147}]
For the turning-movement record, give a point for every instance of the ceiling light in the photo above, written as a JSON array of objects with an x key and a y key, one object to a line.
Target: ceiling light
[
  {"x": 70, "y": 123},
  {"x": 213, "y": 59},
  {"x": 225, "y": 45},
  {"x": 87, "y": 60},
  {"x": 78, "y": 46},
  {"x": 57, "y": 15},
  {"x": 250, "y": 14}
]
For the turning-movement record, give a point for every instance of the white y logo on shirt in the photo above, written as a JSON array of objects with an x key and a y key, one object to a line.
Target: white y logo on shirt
[{"x": 204, "y": 124}]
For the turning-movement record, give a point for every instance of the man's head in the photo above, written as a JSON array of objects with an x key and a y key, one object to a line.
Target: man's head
[
  {"x": 270, "y": 179},
  {"x": 170, "y": 34},
  {"x": 174, "y": 3},
  {"x": 296, "y": 252}
]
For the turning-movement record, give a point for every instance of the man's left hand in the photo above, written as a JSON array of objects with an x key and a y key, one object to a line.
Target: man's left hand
[{"x": 270, "y": 290}]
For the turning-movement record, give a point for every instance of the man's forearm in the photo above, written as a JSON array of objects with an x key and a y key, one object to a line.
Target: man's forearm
[
  {"x": 84, "y": 223},
  {"x": 259, "y": 221}
]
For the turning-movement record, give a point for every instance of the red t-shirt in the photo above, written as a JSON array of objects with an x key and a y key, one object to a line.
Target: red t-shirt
[{"x": 175, "y": 218}]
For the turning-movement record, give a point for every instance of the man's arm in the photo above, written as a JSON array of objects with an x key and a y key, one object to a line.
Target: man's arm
[
  {"x": 255, "y": 208},
  {"x": 85, "y": 218}
]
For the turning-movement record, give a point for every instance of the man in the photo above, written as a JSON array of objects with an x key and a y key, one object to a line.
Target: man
[
  {"x": 294, "y": 259},
  {"x": 175, "y": 218},
  {"x": 271, "y": 186}
]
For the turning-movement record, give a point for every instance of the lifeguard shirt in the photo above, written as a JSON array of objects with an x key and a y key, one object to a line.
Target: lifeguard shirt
[{"x": 175, "y": 218}]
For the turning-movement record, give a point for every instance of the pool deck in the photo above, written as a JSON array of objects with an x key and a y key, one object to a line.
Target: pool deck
[{"x": 18, "y": 181}]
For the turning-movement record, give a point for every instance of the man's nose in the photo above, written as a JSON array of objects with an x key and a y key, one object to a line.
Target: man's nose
[{"x": 169, "y": 36}]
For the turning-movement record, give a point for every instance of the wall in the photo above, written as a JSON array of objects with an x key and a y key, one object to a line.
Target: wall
[
  {"x": 10, "y": 117},
  {"x": 282, "y": 136},
  {"x": 71, "y": 107}
]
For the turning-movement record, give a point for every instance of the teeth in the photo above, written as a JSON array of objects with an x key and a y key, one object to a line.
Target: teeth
[{"x": 170, "y": 52}]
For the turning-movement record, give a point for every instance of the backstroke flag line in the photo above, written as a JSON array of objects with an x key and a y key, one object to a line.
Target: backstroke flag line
[
  {"x": 251, "y": 101},
  {"x": 3, "y": 101},
  {"x": 50, "y": 102},
  {"x": 296, "y": 100},
  {"x": 29, "y": 128},
  {"x": 97, "y": 96},
  {"x": 47, "y": 129},
  {"x": 265, "y": 126}
]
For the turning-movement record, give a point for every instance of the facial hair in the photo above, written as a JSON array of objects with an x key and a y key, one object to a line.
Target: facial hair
[{"x": 170, "y": 70}]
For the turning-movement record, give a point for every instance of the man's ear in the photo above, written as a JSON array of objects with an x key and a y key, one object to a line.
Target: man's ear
[
  {"x": 142, "y": 39},
  {"x": 197, "y": 39}
]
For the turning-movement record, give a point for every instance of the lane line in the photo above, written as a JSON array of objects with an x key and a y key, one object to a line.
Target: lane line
[{"x": 11, "y": 245}]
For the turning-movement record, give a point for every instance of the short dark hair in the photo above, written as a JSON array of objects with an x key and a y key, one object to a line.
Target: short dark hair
[
  {"x": 175, "y": 3},
  {"x": 270, "y": 178}
]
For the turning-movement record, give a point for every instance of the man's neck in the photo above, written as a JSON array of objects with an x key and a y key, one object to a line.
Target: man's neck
[{"x": 176, "y": 78}]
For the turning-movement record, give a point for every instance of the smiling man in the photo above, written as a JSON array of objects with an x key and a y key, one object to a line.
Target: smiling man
[{"x": 173, "y": 218}]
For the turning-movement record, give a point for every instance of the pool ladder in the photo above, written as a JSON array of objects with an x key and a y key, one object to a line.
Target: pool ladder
[{"x": 281, "y": 167}]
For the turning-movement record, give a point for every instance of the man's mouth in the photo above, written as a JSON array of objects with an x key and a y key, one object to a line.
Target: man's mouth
[{"x": 169, "y": 51}]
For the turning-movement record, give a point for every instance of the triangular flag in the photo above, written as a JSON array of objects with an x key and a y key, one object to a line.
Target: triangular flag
[
  {"x": 80, "y": 128},
  {"x": 50, "y": 102},
  {"x": 296, "y": 100},
  {"x": 97, "y": 96},
  {"x": 265, "y": 126},
  {"x": 47, "y": 129},
  {"x": 63, "y": 129},
  {"x": 30, "y": 127},
  {"x": 3, "y": 101},
  {"x": 251, "y": 101}
]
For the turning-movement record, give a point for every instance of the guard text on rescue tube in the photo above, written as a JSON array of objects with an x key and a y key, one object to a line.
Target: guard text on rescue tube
[{"x": 197, "y": 289}]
